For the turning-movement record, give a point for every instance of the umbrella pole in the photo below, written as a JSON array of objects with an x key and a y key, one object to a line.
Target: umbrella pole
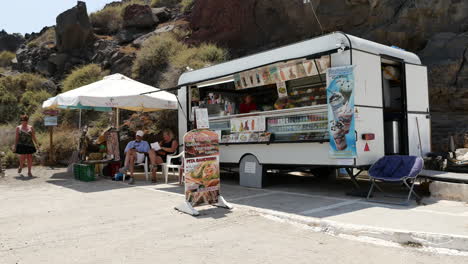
[
  {"x": 117, "y": 114},
  {"x": 79, "y": 120}
]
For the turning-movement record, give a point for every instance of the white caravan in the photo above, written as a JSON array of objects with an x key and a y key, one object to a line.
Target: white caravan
[{"x": 391, "y": 105}]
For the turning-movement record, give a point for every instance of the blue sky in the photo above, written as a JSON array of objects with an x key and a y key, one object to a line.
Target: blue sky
[{"x": 26, "y": 16}]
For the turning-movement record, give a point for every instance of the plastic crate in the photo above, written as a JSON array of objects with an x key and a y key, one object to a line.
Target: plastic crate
[
  {"x": 84, "y": 172},
  {"x": 76, "y": 170}
]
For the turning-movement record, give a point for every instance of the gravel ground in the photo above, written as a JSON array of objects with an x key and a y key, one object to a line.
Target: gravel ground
[{"x": 54, "y": 219}]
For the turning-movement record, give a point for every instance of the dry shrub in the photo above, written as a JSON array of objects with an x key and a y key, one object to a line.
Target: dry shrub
[
  {"x": 167, "y": 52},
  {"x": 154, "y": 57},
  {"x": 6, "y": 57},
  {"x": 82, "y": 76},
  {"x": 46, "y": 38},
  {"x": 199, "y": 57},
  {"x": 186, "y": 5},
  {"x": 10, "y": 160},
  {"x": 65, "y": 142},
  {"x": 7, "y": 140},
  {"x": 164, "y": 3},
  {"x": 110, "y": 19},
  {"x": 7, "y": 136}
]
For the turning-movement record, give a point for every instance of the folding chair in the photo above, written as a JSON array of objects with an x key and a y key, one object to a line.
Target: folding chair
[{"x": 395, "y": 169}]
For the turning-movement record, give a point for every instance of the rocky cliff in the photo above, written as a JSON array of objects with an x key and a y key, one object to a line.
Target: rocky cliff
[{"x": 437, "y": 30}]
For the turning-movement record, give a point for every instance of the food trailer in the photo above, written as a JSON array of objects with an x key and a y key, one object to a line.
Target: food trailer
[{"x": 334, "y": 101}]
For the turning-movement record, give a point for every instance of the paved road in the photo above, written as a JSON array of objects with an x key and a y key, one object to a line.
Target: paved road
[{"x": 54, "y": 219}]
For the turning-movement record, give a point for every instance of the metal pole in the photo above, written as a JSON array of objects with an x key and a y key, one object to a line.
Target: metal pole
[
  {"x": 79, "y": 121},
  {"x": 419, "y": 138},
  {"x": 117, "y": 114},
  {"x": 51, "y": 142}
]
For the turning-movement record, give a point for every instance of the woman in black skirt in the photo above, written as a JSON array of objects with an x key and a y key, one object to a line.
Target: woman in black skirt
[{"x": 25, "y": 139}]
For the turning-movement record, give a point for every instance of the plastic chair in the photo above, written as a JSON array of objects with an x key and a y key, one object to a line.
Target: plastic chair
[
  {"x": 145, "y": 167},
  {"x": 168, "y": 165},
  {"x": 395, "y": 169}
]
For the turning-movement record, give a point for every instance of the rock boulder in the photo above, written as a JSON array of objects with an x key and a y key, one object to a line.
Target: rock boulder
[
  {"x": 73, "y": 29},
  {"x": 10, "y": 42},
  {"x": 139, "y": 16}
]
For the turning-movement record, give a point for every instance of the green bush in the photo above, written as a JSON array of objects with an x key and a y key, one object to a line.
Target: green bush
[
  {"x": 186, "y": 5},
  {"x": 6, "y": 57},
  {"x": 155, "y": 54},
  {"x": 19, "y": 94},
  {"x": 32, "y": 100},
  {"x": 82, "y": 76},
  {"x": 164, "y": 3},
  {"x": 20, "y": 83},
  {"x": 37, "y": 120},
  {"x": 47, "y": 38},
  {"x": 111, "y": 18},
  {"x": 8, "y": 106},
  {"x": 10, "y": 160}
]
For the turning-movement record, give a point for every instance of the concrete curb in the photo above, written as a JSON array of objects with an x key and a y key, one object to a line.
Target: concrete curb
[{"x": 403, "y": 237}]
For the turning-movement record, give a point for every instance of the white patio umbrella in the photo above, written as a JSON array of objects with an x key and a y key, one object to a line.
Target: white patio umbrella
[{"x": 114, "y": 91}]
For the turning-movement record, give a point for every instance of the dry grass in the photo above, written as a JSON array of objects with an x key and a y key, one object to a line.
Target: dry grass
[
  {"x": 110, "y": 18},
  {"x": 128, "y": 49},
  {"x": 6, "y": 57},
  {"x": 46, "y": 39},
  {"x": 165, "y": 3},
  {"x": 186, "y": 5},
  {"x": 65, "y": 142}
]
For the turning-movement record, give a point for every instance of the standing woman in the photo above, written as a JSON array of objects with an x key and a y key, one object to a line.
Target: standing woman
[{"x": 25, "y": 139}]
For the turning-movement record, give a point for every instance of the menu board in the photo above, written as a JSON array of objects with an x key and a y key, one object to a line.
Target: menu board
[
  {"x": 281, "y": 72},
  {"x": 201, "y": 167},
  {"x": 201, "y": 116}
]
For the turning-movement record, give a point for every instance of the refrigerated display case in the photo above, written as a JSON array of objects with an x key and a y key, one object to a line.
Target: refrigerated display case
[{"x": 300, "y": 127}]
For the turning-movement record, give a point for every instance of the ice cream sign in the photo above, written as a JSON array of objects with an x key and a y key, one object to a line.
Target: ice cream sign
[
  {"x": 340, "y": 97},
  {"x": 248, "y": 124}
]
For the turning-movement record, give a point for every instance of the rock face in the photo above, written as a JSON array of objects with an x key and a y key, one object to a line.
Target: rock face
[
  {"x": 139, "y": 16},
  {"x": 258, "y": 24},
  {"x": 434, "y": 29},
  {"x": 10, "y": 42},
  {"x": 446, "y": 56},
  {"x": 73, "y": 29}
]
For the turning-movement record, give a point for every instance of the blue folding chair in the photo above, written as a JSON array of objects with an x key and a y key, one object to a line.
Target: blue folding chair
[{"x": 395, "y": 169}]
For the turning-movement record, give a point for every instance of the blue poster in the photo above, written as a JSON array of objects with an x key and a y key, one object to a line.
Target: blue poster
[{"x": 340, "y": 101}]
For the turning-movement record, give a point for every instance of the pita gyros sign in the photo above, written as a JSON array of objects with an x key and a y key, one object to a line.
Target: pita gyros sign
[{"x": 201, "y": 169}]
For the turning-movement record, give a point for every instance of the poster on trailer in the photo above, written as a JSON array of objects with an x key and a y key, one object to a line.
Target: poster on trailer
[
  {"x": 201, "y": 167},
  {"x": 340, "y": 99}
]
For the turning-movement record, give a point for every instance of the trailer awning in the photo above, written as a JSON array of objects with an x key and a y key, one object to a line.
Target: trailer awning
[{"x": 302, "y": 49}]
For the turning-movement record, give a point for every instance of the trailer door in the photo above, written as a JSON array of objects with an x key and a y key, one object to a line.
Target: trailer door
[{"x": 419, "y": 125}]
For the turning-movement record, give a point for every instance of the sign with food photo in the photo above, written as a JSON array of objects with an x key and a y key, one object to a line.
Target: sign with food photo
[
  {"x": 340, "y": 98},
  {"x": 201, "y": 167}
]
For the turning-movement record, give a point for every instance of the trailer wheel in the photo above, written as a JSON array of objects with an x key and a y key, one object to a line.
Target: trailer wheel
[{"x": 251, "y": 172}]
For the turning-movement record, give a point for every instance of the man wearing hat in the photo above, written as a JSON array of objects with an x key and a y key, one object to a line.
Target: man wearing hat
[{"x": 135, "y": 151}]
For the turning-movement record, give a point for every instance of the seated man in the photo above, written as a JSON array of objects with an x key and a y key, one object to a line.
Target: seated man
[{"x": 132, "y": 151}]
